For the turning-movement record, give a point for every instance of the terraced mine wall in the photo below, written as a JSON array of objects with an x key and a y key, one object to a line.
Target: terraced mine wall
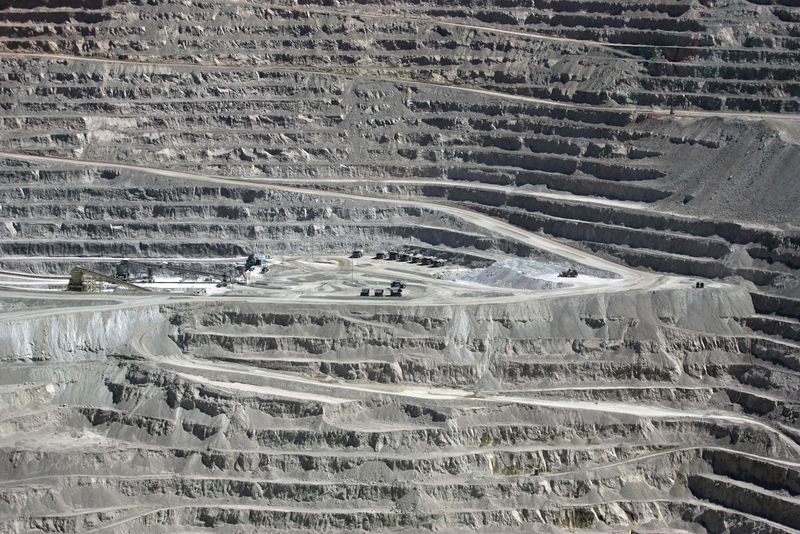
[
  {"x": 311, "y": 126},
  {"x": 522, "y": 343},
  {"x": 74, "y": 213},
  {"x": 641, "y": 237},
  {"x": 291, "y": 123},
  {"x": 660, "y": 134},
  {"x": 263, "y": 448},
  {"x": 446, "y": 43},
  {"x": 74, "y": 335}
]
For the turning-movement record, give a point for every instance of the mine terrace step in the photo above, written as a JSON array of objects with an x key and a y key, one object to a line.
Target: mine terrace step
[{"x": 747, "y": 497}]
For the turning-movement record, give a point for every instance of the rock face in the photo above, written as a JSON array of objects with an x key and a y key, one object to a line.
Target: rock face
[
  {"x": 650, "y": 143},
  {"x": 649, "y": 408}
]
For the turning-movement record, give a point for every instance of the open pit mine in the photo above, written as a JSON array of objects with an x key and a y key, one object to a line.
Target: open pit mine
[{"x": 349, "y": 266}]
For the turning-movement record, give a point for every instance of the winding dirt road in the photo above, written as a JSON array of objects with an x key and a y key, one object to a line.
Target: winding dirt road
[{"x": 631, "y": 279}]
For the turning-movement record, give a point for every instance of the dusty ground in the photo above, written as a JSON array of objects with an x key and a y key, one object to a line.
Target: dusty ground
[{"x": 650, "y": 145}]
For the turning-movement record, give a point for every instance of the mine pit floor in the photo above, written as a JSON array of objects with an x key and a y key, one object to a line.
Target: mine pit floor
[{"x": 342, "y": 278}]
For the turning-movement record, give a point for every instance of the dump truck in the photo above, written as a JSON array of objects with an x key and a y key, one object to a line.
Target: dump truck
[{"x": 122, "y": 270}]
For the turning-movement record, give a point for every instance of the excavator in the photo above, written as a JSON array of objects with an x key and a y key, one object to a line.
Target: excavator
[{"x": 569, "y": 273}]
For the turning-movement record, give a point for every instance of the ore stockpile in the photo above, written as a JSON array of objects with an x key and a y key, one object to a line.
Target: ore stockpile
[{"x": 592, "y": 207}]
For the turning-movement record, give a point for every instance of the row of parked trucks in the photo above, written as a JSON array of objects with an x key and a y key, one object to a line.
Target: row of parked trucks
[
  {"x": 395, "y": 290},
  {"x": 395, "y": 255}
]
